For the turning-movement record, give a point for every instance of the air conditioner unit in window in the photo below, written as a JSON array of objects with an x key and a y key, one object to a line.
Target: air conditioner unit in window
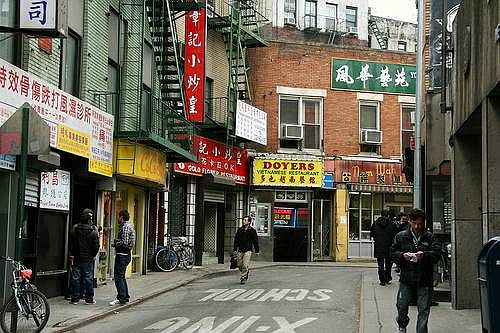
[
  {"x": 352, "y": 30},
  {"x": 371, "y": 137},
  {"x": 291, "y": 132},
  {"x": 210, "y": 10},
  {"x": 290, "y": 21},
  {"x": 412, "y": 117}
]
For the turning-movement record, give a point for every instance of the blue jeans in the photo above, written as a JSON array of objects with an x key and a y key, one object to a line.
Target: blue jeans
[
  {"x": 121, "y": 263},
  {"x": 82, "y": 270},
  {"x": 405, "y": 295}
]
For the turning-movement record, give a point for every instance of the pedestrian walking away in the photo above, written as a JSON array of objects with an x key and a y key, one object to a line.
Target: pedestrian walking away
[
  {"x": 383, "y": 232},
  {"x": 416, "y": 250},
  {"x": 244, "y": 240},
  {"x": 123, "y": 248},
  {"x": 84, "y": 246}
]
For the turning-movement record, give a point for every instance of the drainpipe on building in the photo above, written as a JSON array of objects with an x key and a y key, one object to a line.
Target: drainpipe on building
[{"x": 417, "y": 172}]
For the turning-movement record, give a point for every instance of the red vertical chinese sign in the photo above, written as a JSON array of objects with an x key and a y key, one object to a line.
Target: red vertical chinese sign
[{"x": 194, "y": 65}]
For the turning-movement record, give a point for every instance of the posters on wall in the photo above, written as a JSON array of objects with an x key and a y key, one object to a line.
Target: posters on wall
[
  {"x": 251, "y": 123},
  {"x": 55, "y": 190}
]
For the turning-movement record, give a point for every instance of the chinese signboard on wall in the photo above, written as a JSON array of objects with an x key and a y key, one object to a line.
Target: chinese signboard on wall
[
  {"x": 361, "y": 172},
  {"x": 287, "y": 173},
  {"x": 37, "y": 14},
  {"x": 194, "y": 65},
  {"x": 251, "y": 123},
  {"x": 54, "y": 190},
  {"x": 218, "y": 159},
  {"x": 373, "y": 76},
  {"x": 75, "y": 126}
]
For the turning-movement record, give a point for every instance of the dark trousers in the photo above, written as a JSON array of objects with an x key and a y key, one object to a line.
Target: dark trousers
[
  {"x": 82, "y": 275},
  {"x": 121, "y": 263},
  {"x": 405, "y": 295},
  {"x": 384, "y": 269}
]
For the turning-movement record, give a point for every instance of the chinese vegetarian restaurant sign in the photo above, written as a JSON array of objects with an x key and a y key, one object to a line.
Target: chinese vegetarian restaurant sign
[
  {"x": 218, "y": 159},
  {"x": 371, "y": 76},
  {"x": 287, "y": 173},
  {"x": 54, "y": 190},
  {"x": 363, "y": 172},
  {"x": 76, "y": 126},
  {"x": 194, "y": 64},
  {"x": 251, "y": 123}
]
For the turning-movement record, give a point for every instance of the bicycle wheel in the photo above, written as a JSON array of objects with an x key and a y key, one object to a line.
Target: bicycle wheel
[
  {"x": 33, "y": 317},
  {"x": 439, "y": 272},
  {"x": 167, "y": 260},
  {"x": 188, "y": 257}
]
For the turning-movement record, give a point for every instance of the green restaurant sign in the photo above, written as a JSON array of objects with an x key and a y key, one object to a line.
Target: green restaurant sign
[{"x": 370, "y": 76}]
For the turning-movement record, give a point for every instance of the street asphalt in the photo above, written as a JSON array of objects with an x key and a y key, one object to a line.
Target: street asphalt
[{"x": 276, "y": 300}]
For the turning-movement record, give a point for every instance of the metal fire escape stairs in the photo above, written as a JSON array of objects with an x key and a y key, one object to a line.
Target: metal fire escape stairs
[{"x": 382, "y": 41}]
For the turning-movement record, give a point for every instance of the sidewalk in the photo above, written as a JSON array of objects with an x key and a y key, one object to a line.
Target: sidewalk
[{"x": 378, "y": 311}]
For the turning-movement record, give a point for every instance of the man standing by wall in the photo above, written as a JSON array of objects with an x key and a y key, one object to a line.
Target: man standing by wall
[
  {"x": 383, "y": 232},
  {"x": 84, "y": 246},
  {"x": 123, "y": 247},
  {"x": 245, "y": 238},
  {"x": 416, "y": 250}
]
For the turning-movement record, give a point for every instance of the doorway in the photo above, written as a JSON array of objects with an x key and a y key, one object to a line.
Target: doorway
[
  {"x": 291, "y": 234},
  {"x": 321, "y": 230}
]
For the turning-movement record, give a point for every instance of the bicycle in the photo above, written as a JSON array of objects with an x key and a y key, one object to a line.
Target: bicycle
[
  {"x": 167, "y": 258},
  {"x": 184, "y": 251},
  {"x": 442, "y": 269},
  {"x": 27, "y": 310}
]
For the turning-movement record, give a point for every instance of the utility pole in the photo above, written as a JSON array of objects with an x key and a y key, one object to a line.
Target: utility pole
[{"x": 417, "y": 172}]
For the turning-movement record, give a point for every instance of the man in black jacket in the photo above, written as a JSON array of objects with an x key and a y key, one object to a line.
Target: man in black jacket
[
  {"x": 84, "y": 246},
  {"x": 383, "y": 232},
  {"x": 416, "y": 250},
  {"x": 245, "y": 238}
]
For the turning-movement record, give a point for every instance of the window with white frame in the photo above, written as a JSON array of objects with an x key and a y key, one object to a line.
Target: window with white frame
[
  {"x": 351, "y": 18},
  {"x": 300, "y": 123},
  {"x": 290, "y": 9},
  {"x": 402, "y": 46},
  {"x": 331, "y": 16},
  {"x": 407, "y": 127},
  {"x": 369, "y": 126},
  {"x": 310, "y": 14}
]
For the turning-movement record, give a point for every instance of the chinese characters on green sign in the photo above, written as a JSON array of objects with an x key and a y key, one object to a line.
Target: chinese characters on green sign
[{"x": 373, "y": 76}]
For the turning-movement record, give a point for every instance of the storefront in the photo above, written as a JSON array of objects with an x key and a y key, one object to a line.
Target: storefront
[
  {"x": 215, "y": 189},
  {"x": 140, "y": 175},
  {"x": 368, "y": 187},
  {"x": 291, "y": 211}
]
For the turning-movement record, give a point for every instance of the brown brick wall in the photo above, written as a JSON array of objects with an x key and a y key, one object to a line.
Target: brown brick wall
[{"x": 309, "y": 66}]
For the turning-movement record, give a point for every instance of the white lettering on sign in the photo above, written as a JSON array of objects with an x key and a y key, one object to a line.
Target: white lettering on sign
[
  {"x": 206, "y": 325},
  {"x": 260, "y": 295}
]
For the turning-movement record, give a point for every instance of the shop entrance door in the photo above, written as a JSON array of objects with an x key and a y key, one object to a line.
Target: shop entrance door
[
  {"x": 290, "y": 244},
  {"x": 321, "y": 229}
]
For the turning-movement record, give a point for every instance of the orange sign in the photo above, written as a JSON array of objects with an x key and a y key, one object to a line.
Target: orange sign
[{"x": 364, "y": 172}]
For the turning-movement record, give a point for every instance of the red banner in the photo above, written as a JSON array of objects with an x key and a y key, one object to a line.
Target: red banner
[
  {"x": 218, "y": 159},
  {"x": 364, "y": 172},
  {"x": 194, "y": 65}
]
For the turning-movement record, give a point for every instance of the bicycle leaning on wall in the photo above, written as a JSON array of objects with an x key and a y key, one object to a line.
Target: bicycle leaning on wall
[
  {"x": 27, "y": 310},
  {"x": 177, "y": 252}
]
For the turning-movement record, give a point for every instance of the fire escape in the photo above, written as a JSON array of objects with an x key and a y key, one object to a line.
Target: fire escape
[
  {"x": 155, "y": 116},
  {"x": 381, "y": 39},
  {"x": 240, "y": 22}
]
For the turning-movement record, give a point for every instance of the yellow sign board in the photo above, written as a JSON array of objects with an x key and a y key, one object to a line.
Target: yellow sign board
[
  {"x": 139, "y": 161},
  {"x": 287, "y": 173},
  {"x": 101, "y": 168},
  {"x": 73, "y": 141}
]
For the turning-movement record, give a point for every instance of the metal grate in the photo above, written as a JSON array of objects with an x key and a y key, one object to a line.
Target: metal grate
[
  {"x": 210, "y": 239},
  {"x": 177, "y": 206}
]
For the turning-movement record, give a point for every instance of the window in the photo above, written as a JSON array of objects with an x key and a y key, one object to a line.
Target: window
[
  {"x": 290, "y": 9},
  {"x": 72, "y": 58},
  {"x": 363, "y": 209},
  {"x": 209, "y": 97},
  {"x": 402, "y": 46},
  {"x": 407, "y": 128},
  {"x": 300, "y": 123},
  {"x": 331, "y": 16},
  {"x": 351, "y": 17},
  {"x": 310, "y": 14},
  {"x": 113, "y": 40},
  {"x": 369, "y": 121},
  {"x": 7, "y": 39},
  {"x": 147, "y": 65},
  {"x": 112, "y": 99}
]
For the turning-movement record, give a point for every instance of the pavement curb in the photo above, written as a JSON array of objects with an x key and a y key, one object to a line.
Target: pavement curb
[
  {"x": 113, "y": 310},
  {"x": 361, "y": 304}
]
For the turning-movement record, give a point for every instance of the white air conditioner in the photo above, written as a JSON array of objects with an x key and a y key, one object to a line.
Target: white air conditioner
[
  {"x": 290, "y": 21},
  {"x": 210, "y": 10},
  {"x": 412, "y": 117},
  {"x": 291, "y": 132},
  {"x": 371, "y": 137},
  {"x": 352, "y": 30}
]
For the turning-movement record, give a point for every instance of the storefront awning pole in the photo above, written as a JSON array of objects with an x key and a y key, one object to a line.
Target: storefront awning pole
[{"x": 23, "y": 163}]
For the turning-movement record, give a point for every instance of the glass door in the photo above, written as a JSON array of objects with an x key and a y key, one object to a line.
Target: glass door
[{"x": 321, "y": 229}]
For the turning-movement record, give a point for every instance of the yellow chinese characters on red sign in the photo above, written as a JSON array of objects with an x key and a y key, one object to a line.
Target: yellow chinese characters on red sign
[
  {"x": 287, "y": 173},
  {"x": 73, "y": 141}
]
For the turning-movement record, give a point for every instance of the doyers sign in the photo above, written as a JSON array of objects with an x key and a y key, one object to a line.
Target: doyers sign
[
  {"x": 75, "y": 126},
  {"x": 287, "y": 173}
]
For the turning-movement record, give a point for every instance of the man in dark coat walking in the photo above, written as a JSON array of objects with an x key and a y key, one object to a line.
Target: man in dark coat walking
[
  {"x": 383, "y": 232},
  {"x": 244, "y": 240}
]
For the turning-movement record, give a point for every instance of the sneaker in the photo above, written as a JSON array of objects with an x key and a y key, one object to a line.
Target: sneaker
[
  {"x": 246, "y": 277},
  {"x": 90, "y": 302},
  {"x": 382, "y": 283},
  {"x": 242, "y": 281},
  {"x": 402, "y": 330},
  {"x": 74, "y": 302},
  {"x": 115, "y": 302}
]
